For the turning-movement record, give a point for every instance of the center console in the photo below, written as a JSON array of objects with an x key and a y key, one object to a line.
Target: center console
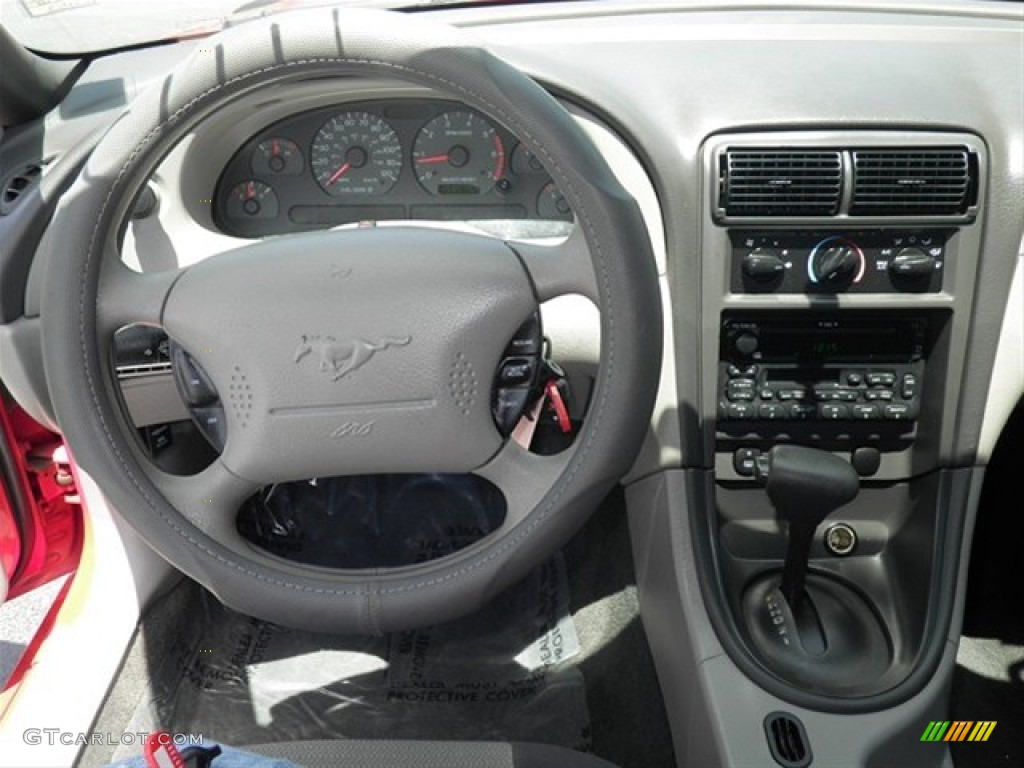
[{"x": 837, "y": 283}]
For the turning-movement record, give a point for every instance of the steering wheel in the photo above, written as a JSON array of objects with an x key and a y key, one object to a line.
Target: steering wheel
[{"x": 430, "y": 310}]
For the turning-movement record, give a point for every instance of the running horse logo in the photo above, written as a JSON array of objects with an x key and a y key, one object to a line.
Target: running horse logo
[{"x": 340, "y": 358}]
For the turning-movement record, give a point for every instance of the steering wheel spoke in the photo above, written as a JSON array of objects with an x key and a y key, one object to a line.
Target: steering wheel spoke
[
  {"x": 209, "y": 500},
  {"x": 558, "y": 268},
  {"x": 523, "y": 477},
  {"x": 127, "y": 297}
]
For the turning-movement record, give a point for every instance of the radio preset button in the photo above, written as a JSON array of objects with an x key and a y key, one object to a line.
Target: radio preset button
[
  {"x": 773, "y": 412},
  {"x": 834, "y": 412},
  {"x": 866, "y": 412},
  {"x": 897, "y": 411},
  {"x": 847, "y": 395},
  {"x": 802, "y": 412},
  {"x": 741, "y": 411}
]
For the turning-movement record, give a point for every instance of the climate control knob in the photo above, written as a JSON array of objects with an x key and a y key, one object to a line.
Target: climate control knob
[
  {"x": 912, "y": 263},
  {"x": 763, "y": 265},
  {"x": 836, "y": 262}
]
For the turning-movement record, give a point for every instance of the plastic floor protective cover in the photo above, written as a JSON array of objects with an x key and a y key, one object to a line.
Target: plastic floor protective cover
[{"x": 498, "y": 674}]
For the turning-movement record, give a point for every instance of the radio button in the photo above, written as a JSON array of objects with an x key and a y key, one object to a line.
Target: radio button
[
  {"x": 746, "y": 344},
  {"x": 881, "y": 379},
  {"x": 847, "y": 395},
  {"x": 767, "y": 394},
  {"x": 834, "y": 412},
  {"x": 825, "y": 395},
  {"x": 866, "y": 412},
  {"x": 897, "y": 411},
  {"x": 741, "y": 411},
  {"x": 741, "y": 372},
  {"x": 878, "y": 394},
  {"x": 802, "y": 412},
  {"x": 773, "y": 412},
  {"x": 854, "y": 379},
  {"x": 744, "y": 461},
  {"x": 792, "y": 394},
  {"x": 909, "y": 388}
]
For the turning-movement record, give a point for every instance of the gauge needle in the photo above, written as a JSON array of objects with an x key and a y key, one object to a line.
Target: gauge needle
[
  {"x": 338, "y": 174},
  {"x": 433, "y": 159}
]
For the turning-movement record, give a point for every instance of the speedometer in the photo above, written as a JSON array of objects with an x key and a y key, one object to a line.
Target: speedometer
[
  {"x": 356, "y": 153},
  {"x": 458, "y": 153}
]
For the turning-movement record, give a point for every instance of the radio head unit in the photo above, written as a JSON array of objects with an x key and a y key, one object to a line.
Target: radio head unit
[{"x": 822, "y": 367}]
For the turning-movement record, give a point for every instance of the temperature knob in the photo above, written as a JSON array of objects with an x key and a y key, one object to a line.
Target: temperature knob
[{"x": 835, "y": 262}]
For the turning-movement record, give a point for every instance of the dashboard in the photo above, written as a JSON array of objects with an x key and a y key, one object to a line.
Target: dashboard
[{"x": 381, "y": 160}]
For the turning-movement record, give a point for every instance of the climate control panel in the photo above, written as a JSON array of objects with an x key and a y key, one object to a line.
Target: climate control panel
[{"x": 870, "y": 261}]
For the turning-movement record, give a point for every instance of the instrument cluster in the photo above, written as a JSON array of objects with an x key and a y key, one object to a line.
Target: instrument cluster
[{"x": 380, "y": 160}]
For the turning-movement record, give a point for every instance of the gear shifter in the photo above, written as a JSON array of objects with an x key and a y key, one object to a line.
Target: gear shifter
[
  {"x": 805, "y": 485},
  {"x": 815, "y": 630}
]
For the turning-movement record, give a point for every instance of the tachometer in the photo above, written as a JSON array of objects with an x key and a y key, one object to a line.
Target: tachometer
[
  {"x": 356, "y": 153},
  {"x": 458, "y": 153}
]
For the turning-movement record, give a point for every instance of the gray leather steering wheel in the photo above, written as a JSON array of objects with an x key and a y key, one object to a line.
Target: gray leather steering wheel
[{"x": 453, "y": 299}]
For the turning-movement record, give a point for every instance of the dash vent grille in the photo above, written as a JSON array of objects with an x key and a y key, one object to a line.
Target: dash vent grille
[
  {"x": 16, "y": 185},
  {"x": 913, "y": 181},
  {"x": 767, "y": 182}
]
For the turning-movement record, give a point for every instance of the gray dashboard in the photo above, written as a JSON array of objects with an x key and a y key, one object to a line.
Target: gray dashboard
[{"x": 662, "y": 86}]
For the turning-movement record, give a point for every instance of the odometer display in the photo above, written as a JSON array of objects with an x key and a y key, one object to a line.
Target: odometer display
[{"x": 356, "y": 153}]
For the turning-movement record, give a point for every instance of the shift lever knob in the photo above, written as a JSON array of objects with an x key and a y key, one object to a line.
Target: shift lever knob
[{"x": 805, "y": 485}]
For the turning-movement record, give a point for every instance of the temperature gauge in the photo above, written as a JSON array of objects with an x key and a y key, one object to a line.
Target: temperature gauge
[
  {"x": 551, "y": 204},
  {"x": 277, "y": 156},
  {"x": 251, "y": 200}
]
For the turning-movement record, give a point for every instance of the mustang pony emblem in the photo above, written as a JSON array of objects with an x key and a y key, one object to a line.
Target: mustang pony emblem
[{"x": 343, "y": 357}]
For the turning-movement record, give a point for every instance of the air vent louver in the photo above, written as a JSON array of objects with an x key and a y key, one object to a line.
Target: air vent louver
[
  {"x": 787, "y": 740},
  {"x": 16, "y": 185},
  {"x": 919, "y": 181},
  {"x": 767, "y": 182}
]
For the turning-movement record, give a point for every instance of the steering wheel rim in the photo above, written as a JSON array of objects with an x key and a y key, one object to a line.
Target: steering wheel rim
[{"x": 86, "y": 292}]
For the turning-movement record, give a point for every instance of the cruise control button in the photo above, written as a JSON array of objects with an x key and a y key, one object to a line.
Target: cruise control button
[
  {"x": 744, "y": 461},
  {"x": 210, "y": 421},
  {"x": 508, "y": 408},
  {"x": 515, "y": 371},
  {"x": 527, "y": 340},
  {"x": 834, "y": 412},
  {"x": 193, "y": 383}
]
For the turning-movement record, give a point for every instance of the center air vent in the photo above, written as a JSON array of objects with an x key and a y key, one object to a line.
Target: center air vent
[
  {"x": 768, "y": 182},
  {"x": 913, "y": 181}
]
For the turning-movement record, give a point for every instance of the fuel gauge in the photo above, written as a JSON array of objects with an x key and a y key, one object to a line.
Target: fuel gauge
[
  {"x": 277, "y": 156},
  {"x": 251, "y": 200},
  {"x": 551, "y": 204}
]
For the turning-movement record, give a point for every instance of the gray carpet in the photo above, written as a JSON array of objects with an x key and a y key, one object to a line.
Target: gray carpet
[{"x": 183, "y": 670}]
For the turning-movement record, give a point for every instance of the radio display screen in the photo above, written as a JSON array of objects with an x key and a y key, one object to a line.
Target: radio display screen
[{"x": 834, "y": 345}]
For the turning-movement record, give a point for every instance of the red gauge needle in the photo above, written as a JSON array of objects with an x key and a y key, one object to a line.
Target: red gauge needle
[
  {"x": 338, "y": 174},
  {"x": 276, "y": 148},
  {"x": 250, "y": 191},
  {"x": 433, "y": 159}
]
